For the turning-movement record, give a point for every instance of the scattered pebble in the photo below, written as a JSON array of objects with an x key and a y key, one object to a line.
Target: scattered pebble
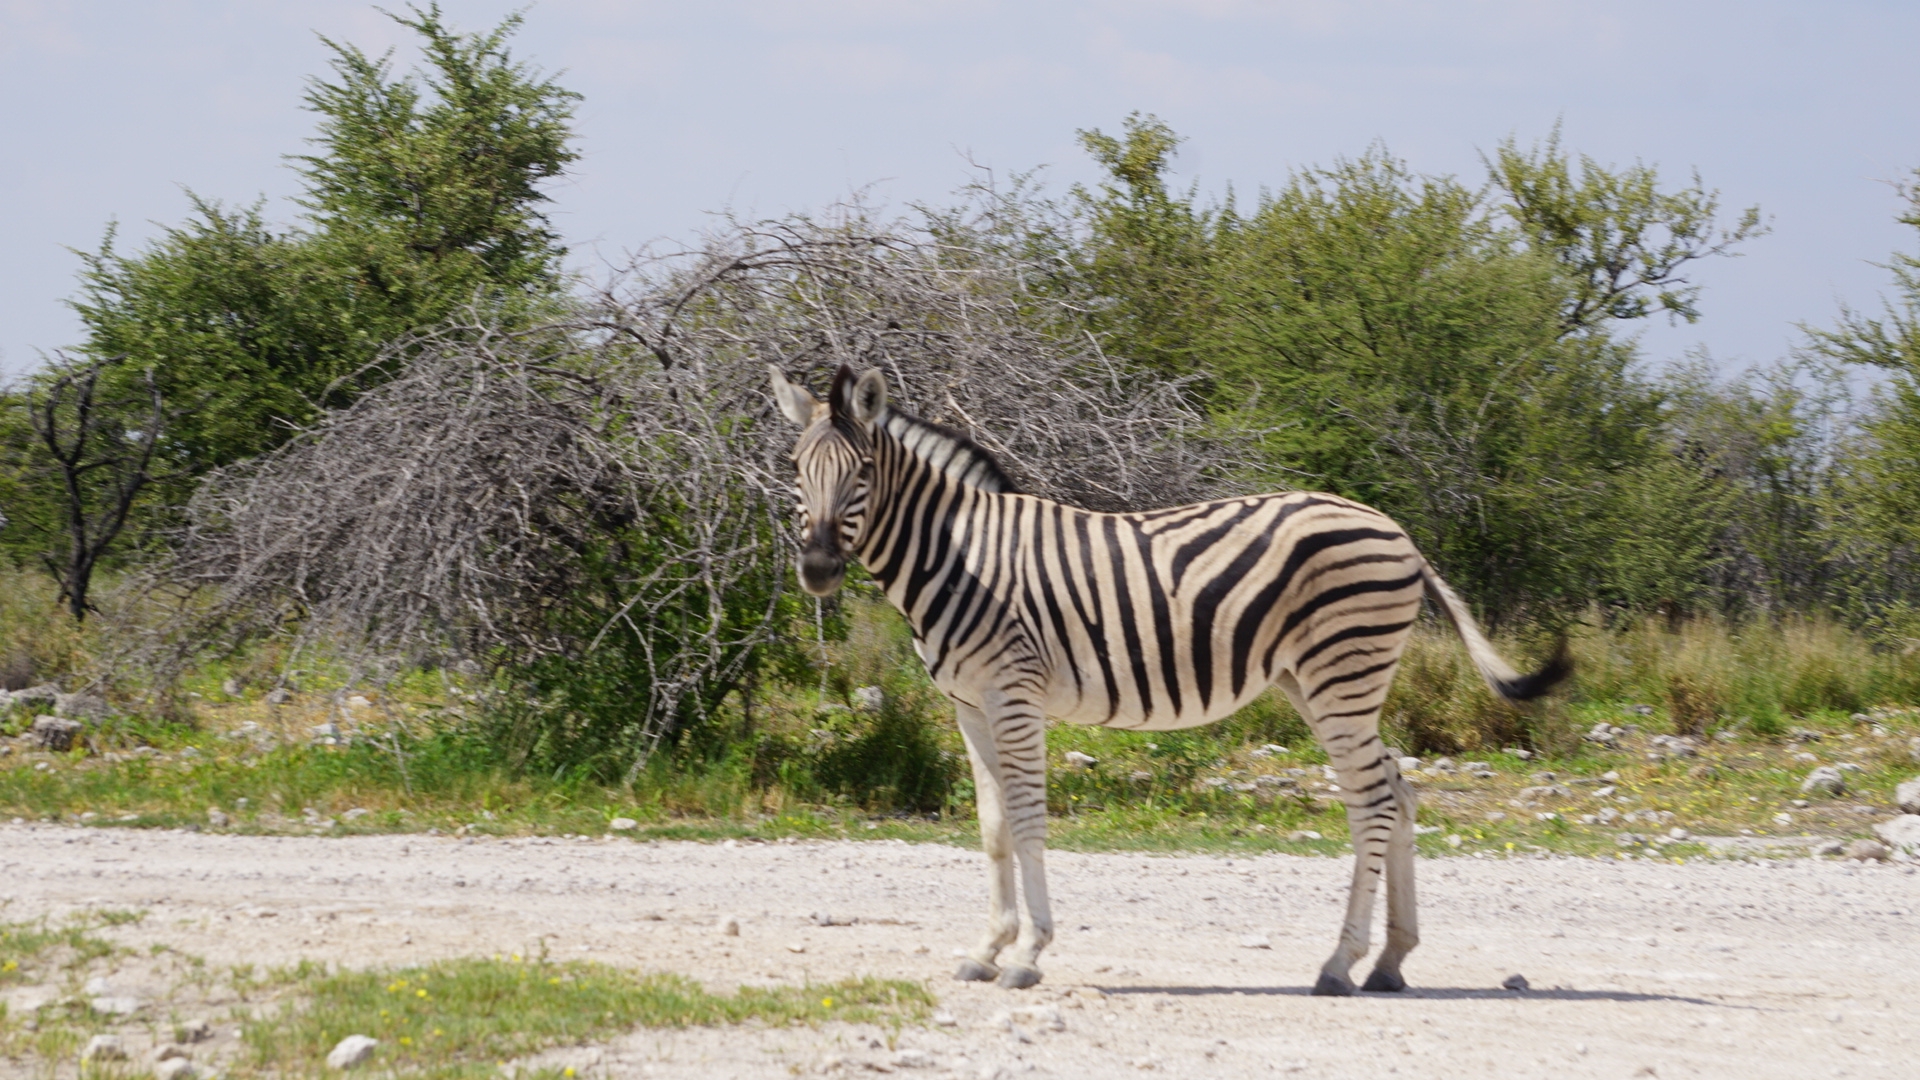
[
  {"x": 177, "y": 1068},
  {"x": 104, "y": 1048},
  {"x": 623, "y": 824},
  {"x": 796, "y": 947},
  {"x": 1869, "y": 851},
  {"x": 217, "y": 817},
  {"x": 912, "y": 1059},
  {"x": 1078, "y": 760},
  {"x": 943, "y": 1018},
  {"x": 1516, "y": 983},
  {"x": 1256, "y": 941},
  {"x": 729, "y": 926}
]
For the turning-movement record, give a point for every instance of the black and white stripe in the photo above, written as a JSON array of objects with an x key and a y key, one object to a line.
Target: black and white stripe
[{"x": 1025, "y": 609}]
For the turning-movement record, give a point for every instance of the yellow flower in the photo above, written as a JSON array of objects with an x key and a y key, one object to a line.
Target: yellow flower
[
  {"x": 555, "y": 981},
  {"x": 828, "y": 1002},
  {"x": 568, "y": 1071},
  {"x": 423, "y": 993},
  {"x": 404, "y": 1041}
]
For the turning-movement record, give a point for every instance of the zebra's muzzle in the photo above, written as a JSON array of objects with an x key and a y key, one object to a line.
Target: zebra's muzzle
[{"x": 821, "y": 570}]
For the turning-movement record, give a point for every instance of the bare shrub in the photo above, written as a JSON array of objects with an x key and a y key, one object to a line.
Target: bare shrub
[{"x": 598, "y": 508}]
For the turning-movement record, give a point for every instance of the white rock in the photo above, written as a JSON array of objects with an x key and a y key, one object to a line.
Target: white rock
[
  {"x": 1408, "y": 764},
  {"x": 116, "y": 1005},
  {"x": 176, "y": 1068},
  {"x": 1907, "y": 796},
  {"x": 943, "y": 1018},
  {"x": 351, "y": 1051},
  {"x": 1828, "y": 847},
  {"x": 355, "y": 814},
  {"x": 623, "y": 824},
  {"x": 1901, "y": 833},
  {"x": 1079, "y": 760},
  {"x": 868, "y": 698},
  {"x": 728, "y": 926},
  {"x": 1825, "y": 780},
  {"x": 169, "y": 1050},
  {"x": 194, "y": 1031},
  {"x": 358, "y": 702},
  {"x": 1256, "y": 941},
  {"x": 104, "y": 1048},
  {"x": 217, "y": 817},
  {"x": 912, "y": 1059}
]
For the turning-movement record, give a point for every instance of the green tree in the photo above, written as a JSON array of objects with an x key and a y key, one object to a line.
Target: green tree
[
  {"x": 1873, "y": 506},
  {"x": 423, "y": 196}
]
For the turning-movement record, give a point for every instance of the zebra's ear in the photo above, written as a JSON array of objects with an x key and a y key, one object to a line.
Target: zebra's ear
[
  {"x": 868, "y": 397},
  {"x": 798, "y": 405}
]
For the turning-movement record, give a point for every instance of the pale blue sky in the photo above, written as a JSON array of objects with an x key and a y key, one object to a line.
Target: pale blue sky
[{"x": 1807, "y": 109}]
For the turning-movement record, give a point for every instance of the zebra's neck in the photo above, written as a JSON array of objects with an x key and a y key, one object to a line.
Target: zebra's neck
[
  {"x": 923, "y": 474},
  {"x": 946, "y": 451}
]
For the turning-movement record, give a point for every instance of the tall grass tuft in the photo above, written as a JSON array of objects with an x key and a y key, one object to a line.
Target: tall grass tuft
[{"x": 39, "y": 641}]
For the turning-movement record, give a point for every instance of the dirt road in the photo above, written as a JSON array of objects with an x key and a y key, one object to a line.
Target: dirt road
[{"x": 1775, "y": 969}]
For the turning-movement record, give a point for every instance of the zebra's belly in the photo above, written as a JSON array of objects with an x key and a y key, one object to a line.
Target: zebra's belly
[{"x": 1073, "y": 709}]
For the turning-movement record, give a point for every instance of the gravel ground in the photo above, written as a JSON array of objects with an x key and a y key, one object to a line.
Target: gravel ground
[{"x": 1790, "y": 968}]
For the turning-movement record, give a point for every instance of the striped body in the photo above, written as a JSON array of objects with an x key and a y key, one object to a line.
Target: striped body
[{"x": 1025, "y": 609}]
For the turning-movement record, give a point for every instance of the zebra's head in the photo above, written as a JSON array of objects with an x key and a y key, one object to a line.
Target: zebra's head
[{"x": 834, "y": 461}]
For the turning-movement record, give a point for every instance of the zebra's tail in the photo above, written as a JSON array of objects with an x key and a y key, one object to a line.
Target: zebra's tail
[{"x": 1499, "y": 674}]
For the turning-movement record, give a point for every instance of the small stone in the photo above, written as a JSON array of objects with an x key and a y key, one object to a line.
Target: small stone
[
  {"x": 1868, "y": 851},
  {"x": 1907, "y": 796},
  {"x": 194, "y": 1031},
  {"x": 169, "y": 1050},
  {"x": 912, "y": 1059},
  {"x": 1299, "y": 835},
  {"x": 116, "y": 1005},
  {"x": 279, "y": 696},
  {"x": 1496, "y": 818},
  {"x": 104, "y": 1048},
  {"x": 868, "y": 698},
  {"x": 729, "y": 926},
  {"x": 358, "y": 702},
  {"x": 53, "y": 733},
  {"x": 1454, "y": 840},
  {"x": 1514, "y": 982},
  {"x": 351, "y": 1051},
  {"x": 796, "y": 947},
  {"x": 623, "y": 824},
  {"x": 217, "y": 817},
  {"x": 1828, "y": 847},
  {"x": 1825, "y": 780},
  {"x": 1256, "y": 941},
  {"x": 1078, "y": 760},
  {"x": 355, "y": 814},
  {"x": 175, "y": 1068},
  {"x": 1901, "y": 833},
  {"x": 943, "y": 1018},
  {"x": 1783, "y": 819}
]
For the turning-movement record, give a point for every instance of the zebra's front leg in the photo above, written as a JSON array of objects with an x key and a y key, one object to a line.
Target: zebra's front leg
[
  {"x": 996, "y": 839},
  {"x": 1020, "y": 733}
]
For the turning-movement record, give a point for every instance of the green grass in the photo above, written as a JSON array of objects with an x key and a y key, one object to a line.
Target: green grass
[{"x": 465, "y": 1018}]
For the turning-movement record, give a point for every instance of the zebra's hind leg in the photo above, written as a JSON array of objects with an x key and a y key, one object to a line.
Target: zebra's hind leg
[
  {"x": 996, "y": 839},
  {"x": 1403, "y": 917}
]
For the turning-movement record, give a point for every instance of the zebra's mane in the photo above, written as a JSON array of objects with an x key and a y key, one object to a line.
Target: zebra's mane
[{"x": 950, "y": 451}]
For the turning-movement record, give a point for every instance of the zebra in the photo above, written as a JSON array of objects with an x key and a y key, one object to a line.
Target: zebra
[{"x": 1025, "y": 609}]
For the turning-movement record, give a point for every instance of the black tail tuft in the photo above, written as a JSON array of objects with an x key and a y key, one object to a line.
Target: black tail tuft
[{"x": 1554, "y": 672}]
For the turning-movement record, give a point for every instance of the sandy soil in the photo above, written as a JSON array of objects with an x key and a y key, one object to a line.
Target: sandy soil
[{"x": 1791, "y": 968}]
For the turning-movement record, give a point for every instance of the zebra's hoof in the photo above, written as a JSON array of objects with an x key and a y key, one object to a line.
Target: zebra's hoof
[
  {"x": 975, "y": 971},
  {"x": 1015, "y": 977},
  {"x": 1332, "y": 986},
  {"x": 1385, "y": 982}
]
